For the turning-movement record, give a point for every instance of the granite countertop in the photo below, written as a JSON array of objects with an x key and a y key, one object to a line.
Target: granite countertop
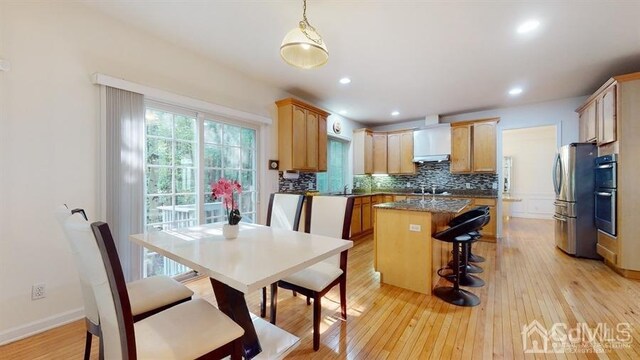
[
  {"x": 474, "y": 193},
  {"x": 433, "y": 205}
]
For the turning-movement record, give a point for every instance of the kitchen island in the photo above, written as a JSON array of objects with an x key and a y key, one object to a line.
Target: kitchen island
[{"x": 404, "y": 252}]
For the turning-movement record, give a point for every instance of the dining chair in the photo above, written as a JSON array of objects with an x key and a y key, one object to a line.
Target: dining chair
[
  {"x": 147, "y": 296},
  {"x": 328, "y": 216},
  {"x": 189, "y": 330},
  {"x": 283, "y": 213}
]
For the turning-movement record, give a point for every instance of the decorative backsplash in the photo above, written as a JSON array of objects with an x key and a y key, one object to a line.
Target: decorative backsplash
[
  {"x": 427, "y": 174},
  {"x": 305, "y": 182}
]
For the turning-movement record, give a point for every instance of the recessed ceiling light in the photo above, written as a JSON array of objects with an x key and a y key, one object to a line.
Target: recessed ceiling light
[
  {"x": 515, "y": 91},
  {"x": 528, "y": 26},
  {"x": 395, "y": 113},
  {"x": 345, "y": 80},
  {"x": 343, "y": 112}
]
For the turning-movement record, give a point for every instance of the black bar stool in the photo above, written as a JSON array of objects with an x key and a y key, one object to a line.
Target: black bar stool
[
  {"x": 458, "y": 236},
  {"x": 475, "y": 235}
]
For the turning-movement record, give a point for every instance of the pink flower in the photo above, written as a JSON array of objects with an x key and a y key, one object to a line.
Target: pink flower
[{"x": 224, "y": 189}]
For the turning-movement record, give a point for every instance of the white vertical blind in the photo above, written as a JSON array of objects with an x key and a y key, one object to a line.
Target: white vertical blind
[{"x": 124, "y": 187}]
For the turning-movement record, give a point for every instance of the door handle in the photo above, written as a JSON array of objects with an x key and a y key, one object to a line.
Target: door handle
[
  {"x": 606, "y": 166},
  {"x": 599, "y": 193},
  {"x": 559, "y": 218}
]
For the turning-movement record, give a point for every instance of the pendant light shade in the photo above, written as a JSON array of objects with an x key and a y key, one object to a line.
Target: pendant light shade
[{"x": 303, "y": 47}]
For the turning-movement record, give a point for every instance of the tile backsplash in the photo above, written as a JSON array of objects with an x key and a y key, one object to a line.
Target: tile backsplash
[
  {"x": 304, "y": 182},
  {"x": 427, "y": 174}
]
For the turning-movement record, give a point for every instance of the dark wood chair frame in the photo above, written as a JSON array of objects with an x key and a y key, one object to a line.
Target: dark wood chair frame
[
  {"x": 123, "y": 306},
  {"x": 94, "y": 329},
  {"x": 296, "y": 224},
  {"x": 316, "y": 296}
]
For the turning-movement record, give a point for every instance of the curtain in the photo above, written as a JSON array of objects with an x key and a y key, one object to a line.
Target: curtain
[{"x": 124, "y": 174}]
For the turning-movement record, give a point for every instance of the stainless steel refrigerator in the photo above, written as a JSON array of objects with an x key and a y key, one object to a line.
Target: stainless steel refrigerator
[{"x": 573, "y": 180}]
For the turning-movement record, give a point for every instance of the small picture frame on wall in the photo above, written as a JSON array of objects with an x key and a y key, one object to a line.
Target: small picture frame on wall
[{"x": 274, "y": 164}]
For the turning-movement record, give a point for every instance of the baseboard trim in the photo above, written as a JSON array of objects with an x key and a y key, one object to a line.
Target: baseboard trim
[{"x": 36, "y": 327}]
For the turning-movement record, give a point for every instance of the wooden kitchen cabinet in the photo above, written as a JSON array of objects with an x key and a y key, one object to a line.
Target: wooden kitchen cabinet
[
  {"x": 362, "y": 152},
  {"x": 393, "y": 153},
  {"x": 400, "y": 153},
  {"x": 460, "y": 148},
  {"x": 367, "y": 223},
  {"x": 484, "y": 146},
  {"x": 407, "y": 166},
  {"x": 382, "y": 152},
  {"x": 302, "y": 136},
  {"x": 379, "y": 153},
  {"x": 588, "y": 123},
  {"x": 607, "y": 116},
  {"x": 473, "y": 146},
  {"x": 356, "y": 217}
]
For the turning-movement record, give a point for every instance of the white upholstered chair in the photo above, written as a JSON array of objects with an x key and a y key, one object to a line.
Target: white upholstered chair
[
  {"x": 329, "y": 216},
  {"x": 147, "y": 296},
  {"x": 189, "y": 330},
  {"x": 283, "y": 213}
]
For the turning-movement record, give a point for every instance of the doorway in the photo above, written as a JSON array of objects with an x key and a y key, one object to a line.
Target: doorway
[{"x": 526, "y": 183}]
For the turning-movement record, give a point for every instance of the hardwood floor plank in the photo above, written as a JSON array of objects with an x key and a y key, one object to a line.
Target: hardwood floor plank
[{"x": 526, "y": 277}]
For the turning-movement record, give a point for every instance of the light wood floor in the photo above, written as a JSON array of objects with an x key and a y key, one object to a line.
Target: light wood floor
[{"x": 527, "y": 279}]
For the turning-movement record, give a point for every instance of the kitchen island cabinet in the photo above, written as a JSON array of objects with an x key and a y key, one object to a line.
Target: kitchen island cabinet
[{"x": 404, "y": 252}]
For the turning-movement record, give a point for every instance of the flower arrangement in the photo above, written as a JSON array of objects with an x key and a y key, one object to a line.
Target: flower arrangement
[{"x": 224, "y": 189}]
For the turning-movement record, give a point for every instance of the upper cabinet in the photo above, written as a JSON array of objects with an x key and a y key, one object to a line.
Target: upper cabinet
[
  {"x": 362, "y": 151},
  {"x": 400, "y": 152},
  {"x": 302, "y": 136},
  {"x": 382, "y": 152},
  {"x": 379, "y": 153},
  {"x": 607, "y": 116},
  {"x": 473, "y": 146},
  {"x": 588, "y": 124},
  {"x": 597, "y": 118}
]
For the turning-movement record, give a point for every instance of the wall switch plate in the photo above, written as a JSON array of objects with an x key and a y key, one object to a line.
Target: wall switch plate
[
  {"x": 408, "y": 184},
  {"x": 468, "y": 185},
  {"x": 414, "y": 227}
]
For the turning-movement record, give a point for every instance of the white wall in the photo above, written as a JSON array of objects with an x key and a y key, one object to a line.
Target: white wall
[
  {"x": 532, "y": 151},
  {"x": 49, "y": 134}
]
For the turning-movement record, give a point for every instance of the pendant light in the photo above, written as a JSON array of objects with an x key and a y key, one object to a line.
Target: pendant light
[{"x": 303, "y": 47}]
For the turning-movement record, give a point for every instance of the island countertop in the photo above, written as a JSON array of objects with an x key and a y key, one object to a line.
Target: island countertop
[{"x": 429, "y": 204}]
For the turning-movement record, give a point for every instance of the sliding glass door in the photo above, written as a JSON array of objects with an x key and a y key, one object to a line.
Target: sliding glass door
[{"x": 185, "y": 152}]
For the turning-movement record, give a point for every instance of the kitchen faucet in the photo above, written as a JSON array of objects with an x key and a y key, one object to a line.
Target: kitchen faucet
[{"x": 433, "y": 189}]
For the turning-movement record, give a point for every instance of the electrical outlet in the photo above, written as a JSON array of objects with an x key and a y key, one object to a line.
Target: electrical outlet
[
  {"x": 414, "y": 227},
  {"x": 38, "y": 291},
  {"x": 408, "y": 184},
  {"x": 495, "y": 185},
  {"x": 290, "y": 186},
  {"x": 468, "y": 185}
]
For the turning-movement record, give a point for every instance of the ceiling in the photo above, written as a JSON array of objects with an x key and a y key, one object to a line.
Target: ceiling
[{"x": 416, "y": 57}]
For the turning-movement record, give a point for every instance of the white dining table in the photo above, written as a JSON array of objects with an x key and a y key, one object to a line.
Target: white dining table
[{"x": 258, "y": 257}]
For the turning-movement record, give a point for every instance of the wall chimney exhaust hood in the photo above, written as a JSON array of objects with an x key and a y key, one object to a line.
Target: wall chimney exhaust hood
[{"x": 432, "y": 143}]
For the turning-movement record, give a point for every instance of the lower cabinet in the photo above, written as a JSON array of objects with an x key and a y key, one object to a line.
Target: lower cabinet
[{"x": 362, "y": 216}]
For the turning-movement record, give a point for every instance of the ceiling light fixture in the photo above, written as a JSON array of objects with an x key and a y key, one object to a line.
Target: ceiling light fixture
[
  {"x": 303, "y": 47},
  {"x": 395, "y": 113},
  {"x": 345, "y": 80},
  {"x": 515, "y": 91},
  {"x": 528, "y": 26}
]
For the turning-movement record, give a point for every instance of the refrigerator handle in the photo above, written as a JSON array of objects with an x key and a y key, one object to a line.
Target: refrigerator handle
[
  {"x": 559, "y": 218},
  {"x": 556, "y": 174}
]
